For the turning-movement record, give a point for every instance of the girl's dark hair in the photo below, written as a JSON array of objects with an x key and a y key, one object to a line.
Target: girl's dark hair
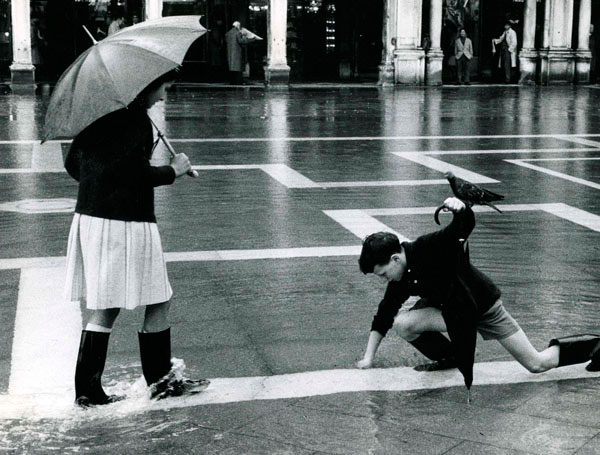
[
  {"x": 378, "y": 249},
  {"x": 167, "y": 77}
]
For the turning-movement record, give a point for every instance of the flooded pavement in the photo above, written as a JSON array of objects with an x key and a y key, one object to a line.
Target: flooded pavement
[{"x": 269, "y": 302}]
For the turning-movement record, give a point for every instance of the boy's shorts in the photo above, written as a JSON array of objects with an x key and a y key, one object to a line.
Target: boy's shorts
[{"x": 494, "y": 324}]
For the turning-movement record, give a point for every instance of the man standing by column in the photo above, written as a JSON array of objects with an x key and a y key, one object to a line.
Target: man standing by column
[
  {"x": 463, "y": 51},
  {"x": 508, "y": 46},
  {"x": 235, "y": 39}
]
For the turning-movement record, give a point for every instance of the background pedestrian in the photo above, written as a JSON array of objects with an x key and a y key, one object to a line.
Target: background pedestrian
[{"x": 463, "y": 52}]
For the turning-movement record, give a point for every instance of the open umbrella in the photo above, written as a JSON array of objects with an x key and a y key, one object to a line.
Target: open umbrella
[
  {"x": 250, "y": 35},
  {"x": 109, "y": 75}
]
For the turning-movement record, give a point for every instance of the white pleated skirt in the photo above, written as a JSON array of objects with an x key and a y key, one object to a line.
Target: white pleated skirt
[{"x": 115, "y": 264}]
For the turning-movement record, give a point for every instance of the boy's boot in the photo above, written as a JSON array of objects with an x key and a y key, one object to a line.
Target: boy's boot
[
  {"x": 578, "y": 349},
  {"x": 88, "y": 372},
  {"x": 437, "y": 347},
  {"x": 594, "y": 365},
  {"x": 155, "y": 353}
]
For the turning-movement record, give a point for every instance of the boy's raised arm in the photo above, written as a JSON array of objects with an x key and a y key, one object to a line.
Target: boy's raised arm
[{"x": 463, "y": 222}]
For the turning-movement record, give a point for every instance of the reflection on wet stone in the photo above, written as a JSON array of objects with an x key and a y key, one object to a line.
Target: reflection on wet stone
[{"x": 267, "y": 317}]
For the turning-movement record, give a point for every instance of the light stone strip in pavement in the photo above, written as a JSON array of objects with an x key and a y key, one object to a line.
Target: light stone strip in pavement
[
  {"x": 294, "y": 179},
  {"x": 36, "y": 206},
  {"x": 280, "y": 172},
  {"x": 288, "y": 176},
  {"x": 29, "y": 171},
  {"x": 360, "y": 221},
  {"x": 383, "y": 183},
  {"x": 47, "y": 157},
  {"x": 337, "y": 138},
  {"x": 526, "y": 164},
  {"x": 579, "y": 140},
  {"x": 286, "y": 386},
  {"x": 579, "y": 158},
  {"x": 381, "y": 138},
  {"x": 204, "y": 256},
  {"x": 442, "y": 166},
  {"x": 46, "y": 332},
  {"x": 506, "y": 151}
]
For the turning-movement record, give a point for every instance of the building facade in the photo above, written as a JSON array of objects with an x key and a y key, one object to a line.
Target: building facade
[{"x": 386, "y": 42}]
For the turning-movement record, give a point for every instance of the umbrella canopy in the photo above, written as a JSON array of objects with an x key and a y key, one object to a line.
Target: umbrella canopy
[
  {"x": 250, "y": 35},
  {"x": 109, "y": 75}
]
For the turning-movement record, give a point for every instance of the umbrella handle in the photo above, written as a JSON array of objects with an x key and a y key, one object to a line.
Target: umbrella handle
[
  {"x": 191, "y": 172},
  {"x": 161, "y": 136}
]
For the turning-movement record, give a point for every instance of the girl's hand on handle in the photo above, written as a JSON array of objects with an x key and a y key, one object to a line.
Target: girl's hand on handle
[{"x": 181, "y": 164}]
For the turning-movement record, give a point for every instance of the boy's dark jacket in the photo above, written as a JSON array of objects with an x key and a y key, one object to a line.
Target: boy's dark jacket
[{"x": 439, "y": 270}]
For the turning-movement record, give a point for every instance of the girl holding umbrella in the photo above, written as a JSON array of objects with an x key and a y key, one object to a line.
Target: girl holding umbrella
[{"x": 115, "y": 258}]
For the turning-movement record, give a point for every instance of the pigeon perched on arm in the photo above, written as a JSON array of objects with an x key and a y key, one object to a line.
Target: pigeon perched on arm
[{"x": 469, "y": 193}]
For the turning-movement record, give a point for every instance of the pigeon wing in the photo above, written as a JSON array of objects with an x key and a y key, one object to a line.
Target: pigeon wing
[{"x": 491, "y": 196}]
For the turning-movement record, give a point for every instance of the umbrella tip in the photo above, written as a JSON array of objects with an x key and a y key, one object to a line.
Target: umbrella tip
[{"x": 90, "y": 35}]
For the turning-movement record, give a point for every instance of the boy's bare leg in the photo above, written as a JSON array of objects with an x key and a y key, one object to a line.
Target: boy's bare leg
[
  {"x": 423, "y": 328},
  {"x": 519, "y": 346},
  {"x": 410, "y": 324}
]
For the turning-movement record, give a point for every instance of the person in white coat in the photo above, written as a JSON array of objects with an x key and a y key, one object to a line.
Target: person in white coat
[
  {"x": 508, "y": 53},
  {"x": 463, "y": 51}
]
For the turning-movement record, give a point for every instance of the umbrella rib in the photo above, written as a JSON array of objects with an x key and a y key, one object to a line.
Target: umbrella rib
[
  {"x": 153, "y": 54},
  {"x": 114, "y": 84}
]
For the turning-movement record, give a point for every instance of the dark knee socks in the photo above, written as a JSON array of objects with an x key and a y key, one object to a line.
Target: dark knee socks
[{"x": 433, "y": 345}]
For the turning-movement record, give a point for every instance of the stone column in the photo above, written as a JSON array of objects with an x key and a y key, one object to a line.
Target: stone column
[
  {"x": 583, "y": 56},
  {"x": 409, "y": 57},
  {"x": 528, "y": 55},
  {"x": 153, "y": 9},
  {"x": 557, "y": 57},
  {"x": 388, "y": 38},
  {"x": 543, "y": 53},
  {"x": 435, "y": 56},
  {"x": 277, "y": 70},
  {"x": 22, "y": 71}
]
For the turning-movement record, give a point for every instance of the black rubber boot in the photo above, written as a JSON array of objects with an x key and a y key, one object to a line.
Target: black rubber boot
[
  {"x": 88, "y": 372},
  {"x": 155, "y": 353},
  {"x": 594, "y": 365},
  {"x": 578, "y": 349},
  {"x": 437, "y": 347}
]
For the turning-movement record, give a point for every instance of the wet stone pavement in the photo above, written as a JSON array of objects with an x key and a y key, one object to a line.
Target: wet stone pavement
[{"x": 269, "y": 302}]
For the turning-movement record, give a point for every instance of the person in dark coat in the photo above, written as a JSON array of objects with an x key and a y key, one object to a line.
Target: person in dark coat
[
  {"x": 235, "y": 39},
  {"x": 456, "y": 298},
  {"x": 114, "y": 255}
]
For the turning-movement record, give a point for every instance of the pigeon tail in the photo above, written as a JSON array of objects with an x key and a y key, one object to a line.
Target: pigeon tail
[{"x": 489, "y": 204}]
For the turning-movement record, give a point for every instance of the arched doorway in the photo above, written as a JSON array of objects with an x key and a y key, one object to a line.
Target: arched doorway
[
  {"x": 334, "y": 40},
  {"x": 483, "y": 20},
  {"x": 206, "y": 61}
]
